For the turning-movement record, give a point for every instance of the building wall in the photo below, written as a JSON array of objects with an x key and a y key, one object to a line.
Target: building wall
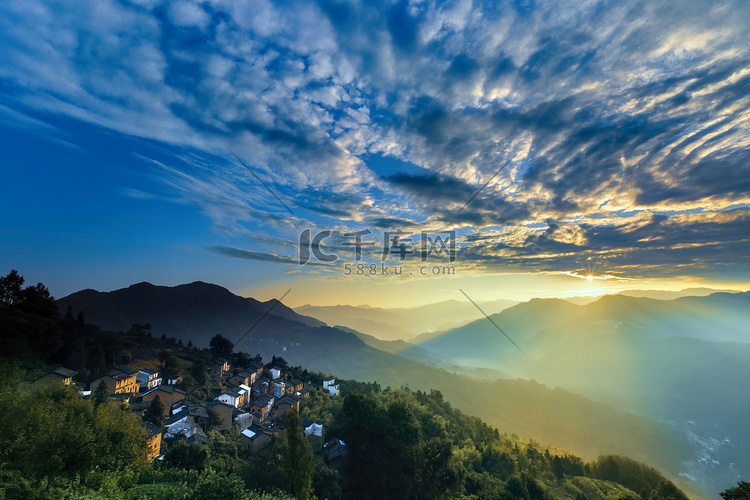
[
  {"x": 154, "y": 447},
  {"x": 225, "y": 412},
  {"x": 166, "y": 398}
]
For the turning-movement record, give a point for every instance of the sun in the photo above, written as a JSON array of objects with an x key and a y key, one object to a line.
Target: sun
[{"x": 590, "y": 270}]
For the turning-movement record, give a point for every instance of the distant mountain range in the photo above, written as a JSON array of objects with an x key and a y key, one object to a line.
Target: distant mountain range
[
  {"x": 653, "y": 294},
  {"x": 403, "y": 323}
]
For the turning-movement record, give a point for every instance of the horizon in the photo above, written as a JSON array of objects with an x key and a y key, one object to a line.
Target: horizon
[{"x": 687, "y": 292}]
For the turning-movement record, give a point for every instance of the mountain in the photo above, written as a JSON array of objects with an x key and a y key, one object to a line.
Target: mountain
[
  {"x": 480, "y": 343},
  {"x": 194, "y": 311},
  {"x": 198, "y": 311},
  {"x": 716, "y": 317},
  {"x": 403, "y": 323},
  {"x": 682, "y": 361},
  {"x": 379, "y": 323},
  {"x": 653, "y": 294},
  {"x": 670, "y": 295}
]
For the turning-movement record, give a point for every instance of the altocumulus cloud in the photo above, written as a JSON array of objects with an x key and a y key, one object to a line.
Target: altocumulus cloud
[{"x": 605, "y": 110}]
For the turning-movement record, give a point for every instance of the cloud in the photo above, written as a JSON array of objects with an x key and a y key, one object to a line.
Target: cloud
[
  {"x": 602, "y": 109},
  {"x": 240, "y": 253}
]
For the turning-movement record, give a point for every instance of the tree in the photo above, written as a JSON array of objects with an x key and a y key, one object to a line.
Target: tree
[
  {"x": 37, "y": 300},
  {"x": 168, "y": 360},
  {"x": 739, "y": 492},
  {"x": 221, "y": 346},
  {"x": 666, "y": 490},
  {"x": 66, "y": 437},
  {"x": 558, "y": 469},
  {"x": 198, "y": 371},
  {"x": 10, "y": 288},
  {"x": 101, "y": 393},
  {"x": 214, "y": 420},
  {"x": 279, "y": 362},
  {"x": 186, "y": 456},
  {"x": 155, "y": 412},
  {"x": 297, "y": 459}
]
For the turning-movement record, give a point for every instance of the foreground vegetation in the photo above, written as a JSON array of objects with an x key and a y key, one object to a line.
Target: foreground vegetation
[{"x": 401, "y": 444}]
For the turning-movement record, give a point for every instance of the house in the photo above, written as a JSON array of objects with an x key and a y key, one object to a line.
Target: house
[
  {"x": 119, "y": 380},
  {"x": 314, "y": 434},
  {"x": 171, "y": 379},
  {"x": 59, "y": 376},
  {"x": 139, "y": 407},
  {"x": 242, "y": 418},
  {"x": 278, "y": 387},
  {"x": 182, "y": 423},
  {"x": 304, "y": 393},
  {"x": 242, "y": 378},
  {"x": 256, "y": 438},
  {"x": 235, "y": 397},
  {"x": 256, "y": 367},
  {"x": 147, "y": 379},
  {"x": 275, "y": 372},
  {"x": 168, "y": 394},
  {"x": 224, "y": 411},
  {"x": 335, "y": 453},
  {"x": 331, "y": 387},
  {"x": 219, "y": 367},
  {"x": 295, "y": 386},
  {"x": 262, "y": 406},
  {"x": 284, "y": 404},
  {"x": 262, "y": 386},
  {"x": 153, "y": 436}
]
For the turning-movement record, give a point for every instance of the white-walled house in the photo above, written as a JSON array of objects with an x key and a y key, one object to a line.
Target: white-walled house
[
  {"x": 331, "y": 386},
  {"x": 235, "y": 397}
]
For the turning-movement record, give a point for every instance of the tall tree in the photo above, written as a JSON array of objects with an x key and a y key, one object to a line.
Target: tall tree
[
  {"x": 214, "y": 420},
  {"x": 297, "y": 458},
  {"x": 221, "y": 346},
  {"x": 155, "y": 412},
  {"x": 101, "y": 393},
  {"x": 10, "y": 288}
]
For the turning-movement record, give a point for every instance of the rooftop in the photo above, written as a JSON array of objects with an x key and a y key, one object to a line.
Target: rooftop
[
  {"x": 65, "y": 372},
  {"x": 152, "y": 429}
]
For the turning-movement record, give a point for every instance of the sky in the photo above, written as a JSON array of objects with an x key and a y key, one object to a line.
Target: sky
[{"x": 508, "y": 149}]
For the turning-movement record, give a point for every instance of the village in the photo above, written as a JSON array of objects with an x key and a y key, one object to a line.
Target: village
[{"x": 255, "y": 400}]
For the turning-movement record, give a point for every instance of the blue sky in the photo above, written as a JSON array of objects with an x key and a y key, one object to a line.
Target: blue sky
[{"x": 622, "y": 130}]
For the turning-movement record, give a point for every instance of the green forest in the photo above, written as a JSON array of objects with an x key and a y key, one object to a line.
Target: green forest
[{"x": 57, "y": 443}]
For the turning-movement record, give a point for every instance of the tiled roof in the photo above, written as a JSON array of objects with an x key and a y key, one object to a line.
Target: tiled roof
[
  {"x": 176, "y": 417},
  {"x": 152, "y": 429},
  {"x": 169, "y": 389},
  {"x": 65, "y": 372}
]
